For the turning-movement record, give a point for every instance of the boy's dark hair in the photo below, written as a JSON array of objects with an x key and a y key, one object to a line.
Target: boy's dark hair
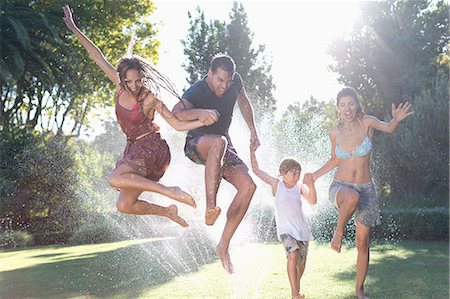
[
  {"x": 289, "y": 165},
  {"x": 223, "y": 61}
]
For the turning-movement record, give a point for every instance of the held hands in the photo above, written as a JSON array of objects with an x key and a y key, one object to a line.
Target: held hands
[
  {"x": 254, "y": 141},
  {"x": 308, "y": 179},
  {"x": 68, "y": 17},
  {"x": 402, "y": 111},
  {"x": 208, "y": 116}
]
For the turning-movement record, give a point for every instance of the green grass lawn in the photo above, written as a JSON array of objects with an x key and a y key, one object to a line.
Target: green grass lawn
[{"x": 174, "y": 268}]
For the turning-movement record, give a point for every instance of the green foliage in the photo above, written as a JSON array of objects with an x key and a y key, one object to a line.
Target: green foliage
[
  {"x": 49, "y": 184},
  {"x": 47, "y": 80},
  {"x": 15, "y": 239},
  {"x": 38, "y": 186},
  {"x": 393, "y": 52},
  {"x": 303, "y": 130},
  {"x": 94, "y": 232},
  {"x": 396, "y": 224},
  {"x": 414, "y": 224},
  {"x": 204, "y": 40},
  {"x": 414, "y": 160}
]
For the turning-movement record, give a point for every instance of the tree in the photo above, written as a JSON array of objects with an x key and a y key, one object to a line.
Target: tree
[
  {"x": 204, "y": 40},
  {"x": 47, "y": 81},
  {"x": 393, "y": 52}
]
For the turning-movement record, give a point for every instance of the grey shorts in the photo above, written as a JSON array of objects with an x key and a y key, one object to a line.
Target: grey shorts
[
  {"x": 290, "y": 245},
  {"x": 368, "y": 211}
]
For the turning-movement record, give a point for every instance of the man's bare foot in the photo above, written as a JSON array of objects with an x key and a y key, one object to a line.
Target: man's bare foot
[
  {"x": 336, "y": 242},
  {"x": 360, "y": 294},
  {"x": 172, "y": 213},
  {"x": 225, "y": 259},
  {"x": 182, "y": 196},
  {"x": 211, "y": 215}
]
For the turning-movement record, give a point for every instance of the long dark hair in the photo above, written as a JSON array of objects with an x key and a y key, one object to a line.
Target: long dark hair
[
  {"x": 351, "y": 92},
  {"x": 152, "y": 79}
]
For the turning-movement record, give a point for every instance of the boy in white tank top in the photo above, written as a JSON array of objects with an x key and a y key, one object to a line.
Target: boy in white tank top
[{"x": 292, "y": 227}]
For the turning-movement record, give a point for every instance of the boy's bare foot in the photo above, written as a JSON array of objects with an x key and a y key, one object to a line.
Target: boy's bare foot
[
  {"x": 225, "y": 259},
  {"x": 336, "y": 242},
  {"x": 183, "y": 197},
  {"x": 360, "y": 294},
  {"x": 300, "y": 296},
  {"x": 172, "y": 213},
  {"x": 211, "y": 215}
]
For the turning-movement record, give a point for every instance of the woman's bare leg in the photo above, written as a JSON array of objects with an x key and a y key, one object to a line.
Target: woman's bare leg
[
  {"x": 347, "y": 201},
  {"x": 362, "y": 261},
  {"x": 129, "y": 203},
  {"x": 124, "y": 177}
]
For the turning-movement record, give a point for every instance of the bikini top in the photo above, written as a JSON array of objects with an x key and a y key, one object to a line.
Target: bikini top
[{"x": 362, "y": 150}]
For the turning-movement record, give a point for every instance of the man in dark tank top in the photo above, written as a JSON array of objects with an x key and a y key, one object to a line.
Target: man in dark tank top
[{"x": 209, "y": 99}]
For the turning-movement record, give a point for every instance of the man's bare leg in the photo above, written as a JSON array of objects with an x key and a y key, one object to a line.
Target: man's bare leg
[
  {"x": 362, "y": 260},
  {"x": 129, "y": 203},
  {"x": 124, "y": 177},
  {"x": 347, "y": 201},
  {"x": 212, "y": 149},
  {"x": 238, "y": 176}
]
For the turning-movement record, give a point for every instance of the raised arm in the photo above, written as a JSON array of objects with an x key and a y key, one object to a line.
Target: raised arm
[
  {"x": 273, "y": 182},
  {"x": 94, "y": 52},
  {"x": 184, "y": 110},
  {"x": 398, "y": 114},
  {"x": 332, "y": 162},
  {"x": 309, "y": 189},
  {"x": 247, "y": 113}
]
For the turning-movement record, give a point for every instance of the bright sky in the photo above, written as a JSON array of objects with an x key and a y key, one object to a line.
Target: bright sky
[{"x": 296, "y": 35}]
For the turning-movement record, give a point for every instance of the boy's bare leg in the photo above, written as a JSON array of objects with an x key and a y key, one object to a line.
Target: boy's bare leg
[
  {"x": 292, "y": 260},
  {"x": 300, "y": 269},
  {"x": 124, "y": 177},
  {"x": 212, "y": 149},
  {"x": 362, "y": 260},
  {"x": 129, "y": 203},
  {"x": 238, "y": 176},
  {"x": 347, "y": 201}
]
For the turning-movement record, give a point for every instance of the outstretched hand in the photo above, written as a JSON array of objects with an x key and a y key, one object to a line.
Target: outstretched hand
[
  {"x": 402, "y": 111},
  {"x": 68, "y": 17}
]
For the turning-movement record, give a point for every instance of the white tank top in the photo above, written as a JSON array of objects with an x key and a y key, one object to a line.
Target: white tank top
[{"x": 289, "y": 214}]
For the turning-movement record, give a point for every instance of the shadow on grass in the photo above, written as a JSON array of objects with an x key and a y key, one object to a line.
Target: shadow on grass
[
  {"x": 418, "y": 269},
  {"x": 127, "y": 271}
]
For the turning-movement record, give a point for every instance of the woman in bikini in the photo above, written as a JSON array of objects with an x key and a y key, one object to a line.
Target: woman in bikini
[
  {"x": 352, "y": 190},
  {"x": 146, "y": 156}
]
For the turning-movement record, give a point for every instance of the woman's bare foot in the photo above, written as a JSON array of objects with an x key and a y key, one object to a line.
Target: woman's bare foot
[
  {"x": 360, "y": 293},
  {"x": 336, "y": 242},
  {"x": 182, "y": 196},
  {"x": 225, "y": 259},
  {"x": 172, "y": 213},
  {"x": 211, "y": 215}
]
